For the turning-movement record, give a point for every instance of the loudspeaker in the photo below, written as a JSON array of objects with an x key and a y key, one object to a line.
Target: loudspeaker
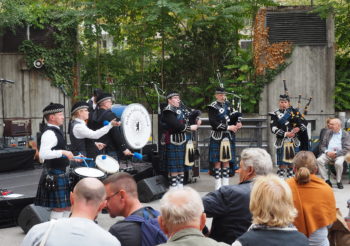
[
  {"x": 32, "y": 215},
  {"x": 152, "y": 188}
]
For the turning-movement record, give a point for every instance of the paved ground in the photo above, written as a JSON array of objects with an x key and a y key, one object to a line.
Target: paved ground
[{"x": 14, "y": 235}]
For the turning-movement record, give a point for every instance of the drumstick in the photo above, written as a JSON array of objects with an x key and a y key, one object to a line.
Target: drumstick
[{"x": 83, "y": 158}]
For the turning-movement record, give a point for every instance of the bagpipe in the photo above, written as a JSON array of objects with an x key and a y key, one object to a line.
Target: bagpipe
[
  {"x": 293, "y": 114},
  {"x": 191, "y": 152},
  {"x": 297, "y": 119},
  {"x": 191, "y": 115}
]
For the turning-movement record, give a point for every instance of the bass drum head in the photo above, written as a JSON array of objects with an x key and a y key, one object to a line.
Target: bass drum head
[
  {"x": 107, "y": 164},
  {"x": 136, "y": 126}
]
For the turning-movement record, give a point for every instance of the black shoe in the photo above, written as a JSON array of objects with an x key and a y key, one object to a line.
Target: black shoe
[
  {"x": 340, "y": 185},
  {"x": 329, "y": 183}
]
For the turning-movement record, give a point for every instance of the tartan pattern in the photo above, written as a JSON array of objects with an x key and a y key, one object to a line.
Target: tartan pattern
[
  {"x": 214, "y": 150},
  {"x": 53, "y": 199},
  {"x": 175, "y": 157},
  {"x": 280, "y": 156}
]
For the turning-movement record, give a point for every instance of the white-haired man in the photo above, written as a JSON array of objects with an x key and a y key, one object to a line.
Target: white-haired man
[
  {"x": 182, "y": 218},
  {"x": 229, "y": 206},
  {"x": 334, "y": 146}
]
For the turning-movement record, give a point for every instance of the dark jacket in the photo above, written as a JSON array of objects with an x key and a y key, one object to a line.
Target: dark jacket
[
  {"x": 229, "y": 208},
  {"x": 273, "y": 237}
]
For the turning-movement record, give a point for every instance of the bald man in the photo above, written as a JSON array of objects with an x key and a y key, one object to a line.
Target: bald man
[
  {"x": 182, "y": 218},
  {"x": 335, "y": 144},
  {"x": 87, "y": 199}
]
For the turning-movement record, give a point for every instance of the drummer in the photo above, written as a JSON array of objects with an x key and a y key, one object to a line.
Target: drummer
[
  {"x": 53, "y": 188},
  {"x": 79, "y": 133},
  {"x": 114, "y": 139}
]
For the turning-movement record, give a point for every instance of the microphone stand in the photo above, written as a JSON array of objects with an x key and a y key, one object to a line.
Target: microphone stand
[
  {"x": 159, "y": 112},
  {"x": 64, "y": 110},
  {"x": 2, "y": 82},
  {"x": 150, "y": 105}
]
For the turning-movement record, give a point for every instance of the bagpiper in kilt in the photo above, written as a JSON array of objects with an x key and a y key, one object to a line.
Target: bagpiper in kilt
[
  {"x": 286, "y": 123},
  {"x": 225, "y": 121},
  {"x": 54, "y": 188},
  {"x": 176, "y": 134}
]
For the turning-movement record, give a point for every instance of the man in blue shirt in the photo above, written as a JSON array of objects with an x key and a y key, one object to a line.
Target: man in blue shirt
[{"x": 334, "y": 146}]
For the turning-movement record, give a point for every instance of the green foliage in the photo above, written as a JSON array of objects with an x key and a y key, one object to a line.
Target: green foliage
[
  {"x": 340, "y": 10},
  {"x": 179, "y": 44},
  {"x": 342, "y": 86}
]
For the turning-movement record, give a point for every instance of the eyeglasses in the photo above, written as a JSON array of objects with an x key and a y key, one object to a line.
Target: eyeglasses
[{"x": 109, "y": 197}]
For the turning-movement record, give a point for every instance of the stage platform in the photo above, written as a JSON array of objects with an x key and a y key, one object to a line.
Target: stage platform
[{"x": 25, "y": 183}]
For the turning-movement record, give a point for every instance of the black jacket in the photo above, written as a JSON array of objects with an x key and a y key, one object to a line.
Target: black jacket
[{"x": 229, "y": 208}]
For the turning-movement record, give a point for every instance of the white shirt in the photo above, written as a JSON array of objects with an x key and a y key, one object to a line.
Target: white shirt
[
  {"x": 70, "y": 231},
  {"x": 81, "y": 130},
  {"x": 48, "y": 141},
  {"x": 335, "y": 142}
]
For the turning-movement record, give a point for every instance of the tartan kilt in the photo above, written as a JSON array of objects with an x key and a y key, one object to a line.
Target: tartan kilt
[
  {"x": 175, "y": 157},
  {"x": 280, "y": 156},
  {"x": 214, "y": 150},
  {"x": 53, "y": 199}
]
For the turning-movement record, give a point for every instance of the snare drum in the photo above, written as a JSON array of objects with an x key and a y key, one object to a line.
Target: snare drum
[
  {"x": 136, "y": 124},
  {"x": 85, "y": 172},
  {"x": 107, "y": 164}
]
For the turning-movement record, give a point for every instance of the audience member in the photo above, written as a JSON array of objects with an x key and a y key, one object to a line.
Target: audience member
[
  {"x": 271, "y": 205},
  {"x": 122, "y": 200},
  {"x": 335, "y": 144},
  {"x": 316, "y": 150},
  {"x": 313, "y": 199},
  {"x": 229, "y": 206},
  {"x": 182, "y": 218},
  {"x": 87, "y": 199}
]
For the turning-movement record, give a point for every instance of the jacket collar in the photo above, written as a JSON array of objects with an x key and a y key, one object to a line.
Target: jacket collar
[{"x": 186, "y": 232}]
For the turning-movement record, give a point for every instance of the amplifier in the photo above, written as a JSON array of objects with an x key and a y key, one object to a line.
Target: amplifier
[{"x": 17, "y": 127}]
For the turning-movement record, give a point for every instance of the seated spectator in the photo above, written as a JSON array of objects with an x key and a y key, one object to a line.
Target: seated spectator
[
  {"x": 122, "y": 200},
  {"x": 313, "y": 199},
  {"x": 316, "y": 150},
  {"x": 229, "y": 206},
  {"x": 271, "y": 205},
  {"x": 182, "y": 218},
  {"x": 87, "y": 199},
  {"x": 335, "y": 144}
]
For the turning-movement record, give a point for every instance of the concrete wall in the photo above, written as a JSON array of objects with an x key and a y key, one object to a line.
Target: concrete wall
[
  {"x": 30, "y": 93},
  {"x": 311, "y": 73}
]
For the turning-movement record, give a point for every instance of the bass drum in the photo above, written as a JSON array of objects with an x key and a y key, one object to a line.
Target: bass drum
[{"x": 136, "y": 124}]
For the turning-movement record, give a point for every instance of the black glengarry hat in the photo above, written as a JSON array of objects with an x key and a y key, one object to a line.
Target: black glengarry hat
[
  {"x": 79, "y": 105},
  {"x": 284, "y": 97},
  {"x": 53, "y": 108},
  {"x": 172, "y": 94},
  {"x": 102, "y": 97},
  {"x": 220, "y": 90}
]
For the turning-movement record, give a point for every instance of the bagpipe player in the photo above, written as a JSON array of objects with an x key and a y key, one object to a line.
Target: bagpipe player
[
  {"x": 177, "y": 124},
  {"x": 225, "y": 122}
]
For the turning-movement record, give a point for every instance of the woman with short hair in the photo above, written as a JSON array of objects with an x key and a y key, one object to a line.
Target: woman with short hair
[
  {"x": 273, "y": 212},
  {"x": 313, "y": 198}
]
